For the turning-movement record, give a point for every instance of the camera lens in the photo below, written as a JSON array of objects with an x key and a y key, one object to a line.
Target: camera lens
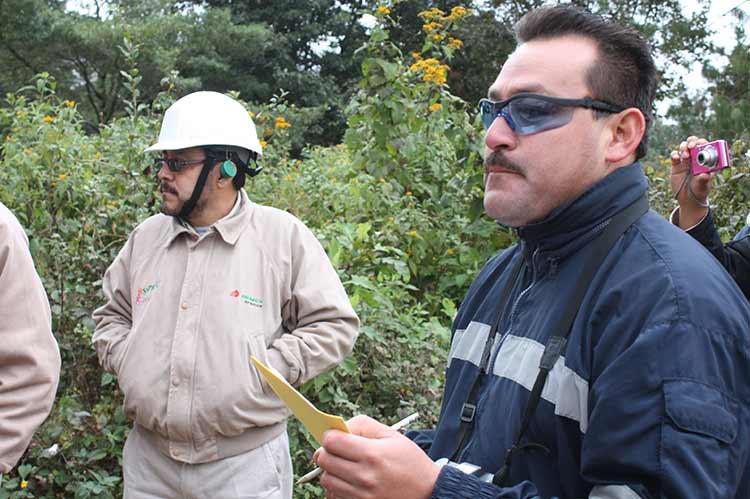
[{"x": 707, "y": 157}]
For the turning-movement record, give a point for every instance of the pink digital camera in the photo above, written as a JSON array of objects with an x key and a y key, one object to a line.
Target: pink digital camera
[{"x": 710, "y": 157}]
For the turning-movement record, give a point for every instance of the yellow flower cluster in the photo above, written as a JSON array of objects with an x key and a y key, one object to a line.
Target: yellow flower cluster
[
  {"x": 431, "y": 26},
  {"x": 263, "y": 143},
  {"x": 433, "y": 13},
  {"x": 457, "y": 13},
  {"x": 435, "y": 107},
  {"x": 383, "y": 10},
  {"x": 437, "y": 24},
  {"x": 417, "y": 56},
  {"x": 431, "y": 70},
  {"x": 454, "y": 43},
  {"x": 281, "y": 123},
  {"x": 48, "y": 119},
  {"x": 69, "y": 103}
]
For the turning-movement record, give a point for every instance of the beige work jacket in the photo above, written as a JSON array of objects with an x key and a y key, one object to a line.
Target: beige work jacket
[
  {"x": 184, "y": 312},
  {"x": 29, "y": 357}
]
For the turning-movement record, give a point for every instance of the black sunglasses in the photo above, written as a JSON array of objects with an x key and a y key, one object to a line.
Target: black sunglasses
[{"x": 176, "y": 165}]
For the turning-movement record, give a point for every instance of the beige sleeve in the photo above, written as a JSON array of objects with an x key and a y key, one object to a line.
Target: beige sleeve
[
  {"x": 321, "y": 322},
  {"x": 114, "y": 319},
  {"x": 29, "y": 356}
]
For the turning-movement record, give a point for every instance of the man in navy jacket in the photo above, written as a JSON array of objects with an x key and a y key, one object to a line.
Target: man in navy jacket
[{"x": 651, "y": 394}]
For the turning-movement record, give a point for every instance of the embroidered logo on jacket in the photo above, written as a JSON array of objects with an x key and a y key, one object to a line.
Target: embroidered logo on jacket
[
  {"x": 145, "y": 292},
  {"x": 246, "y": 298}
]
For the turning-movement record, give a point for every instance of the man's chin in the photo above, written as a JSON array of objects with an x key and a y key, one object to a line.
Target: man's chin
[
  {"x": 503, "y": 214},
  {"x": 168, "y": 210}
]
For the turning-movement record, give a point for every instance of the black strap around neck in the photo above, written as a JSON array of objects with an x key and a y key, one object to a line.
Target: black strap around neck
[
  {"x": 600, "y": 247},
  {"x": 469, "y": 408},
  {"x": 187, "y": 208}
]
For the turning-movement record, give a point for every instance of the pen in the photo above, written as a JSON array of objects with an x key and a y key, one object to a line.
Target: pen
[{"x": 395, "y": 426}]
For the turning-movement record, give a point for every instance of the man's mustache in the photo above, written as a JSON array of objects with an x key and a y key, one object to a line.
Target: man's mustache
[
  {"x": 164, "y": 187},
  {"x": 498, "y": 159}
]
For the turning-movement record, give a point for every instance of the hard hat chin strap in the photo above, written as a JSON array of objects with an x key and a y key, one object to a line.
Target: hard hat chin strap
[{"x": 187, "y": 208}]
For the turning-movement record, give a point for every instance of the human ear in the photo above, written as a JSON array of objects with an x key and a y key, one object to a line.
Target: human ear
[{"x": 625, "y": 132}]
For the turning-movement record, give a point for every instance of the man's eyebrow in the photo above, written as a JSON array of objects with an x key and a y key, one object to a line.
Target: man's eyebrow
[{"x": 534, "y": 88}]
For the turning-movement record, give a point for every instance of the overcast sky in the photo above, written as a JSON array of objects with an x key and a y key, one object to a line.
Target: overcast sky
[{"x": 721, "y": 22}]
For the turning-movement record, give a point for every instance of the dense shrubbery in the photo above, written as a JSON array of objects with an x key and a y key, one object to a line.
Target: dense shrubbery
[{"x": 396, "y": 207}]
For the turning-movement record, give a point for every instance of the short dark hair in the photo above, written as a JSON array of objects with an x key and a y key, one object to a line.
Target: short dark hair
[{"x": 624, "y": 72}]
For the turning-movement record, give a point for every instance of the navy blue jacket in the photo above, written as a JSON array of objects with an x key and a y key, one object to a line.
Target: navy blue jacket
[
  {"x": 651, "y": 397},
  {"x": 734, "y": 256}
]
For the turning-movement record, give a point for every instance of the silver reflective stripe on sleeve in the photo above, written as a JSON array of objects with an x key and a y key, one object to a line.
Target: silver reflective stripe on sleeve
[{"x": 613, "y": 492}]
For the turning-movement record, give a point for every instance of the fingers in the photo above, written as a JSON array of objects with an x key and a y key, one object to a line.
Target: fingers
[
  {"x": 339, "y": 469},
  {"x": 347, "y": 446},
  {"x": 358, "y": 444},
  {"x": 679, "y": 161},
  {"x": 368, "y": 427},
  {"x": 336, "y": 488},
  {"x": 681, "y": 157}
]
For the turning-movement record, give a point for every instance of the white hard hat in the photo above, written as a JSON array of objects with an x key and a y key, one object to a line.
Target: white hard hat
[{"x": 204, "y": 119}]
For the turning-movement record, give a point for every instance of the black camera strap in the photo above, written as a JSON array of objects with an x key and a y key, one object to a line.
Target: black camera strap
[
  {"x": 470, "y": 406},
  {"x": 600, "y": 247}
]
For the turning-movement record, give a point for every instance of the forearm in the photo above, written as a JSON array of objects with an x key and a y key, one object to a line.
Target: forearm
[
  {"x": 320, "y": 322},
  {"x": 734, "y": 256},
  {"x": 29, "y": 356},
  {"x": 29, "y": 374},
  {"x": 114, "y": 318},
  {"x": 110, "y": 342},
  {"x": 311, "y": 349}
]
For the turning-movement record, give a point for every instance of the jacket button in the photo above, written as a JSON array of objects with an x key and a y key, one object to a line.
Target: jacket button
[
  {"x": 184, "y": 306},
  {"x": 175, "y": 382}
]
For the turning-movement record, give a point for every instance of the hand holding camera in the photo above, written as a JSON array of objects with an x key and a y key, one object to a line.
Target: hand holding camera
[{"x": 693, "y": 166}]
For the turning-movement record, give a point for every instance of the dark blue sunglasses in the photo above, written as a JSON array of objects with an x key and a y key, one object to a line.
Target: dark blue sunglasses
[{"x": 528, "y": 113}]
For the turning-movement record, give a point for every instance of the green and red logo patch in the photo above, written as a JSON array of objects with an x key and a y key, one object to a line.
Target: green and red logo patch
[
  {"x": 144, "y": 292},
  {"x": 246, "y": 298}
]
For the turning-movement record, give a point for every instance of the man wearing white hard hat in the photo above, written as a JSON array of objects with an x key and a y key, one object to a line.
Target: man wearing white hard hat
[{"x": 194, "y": 292}]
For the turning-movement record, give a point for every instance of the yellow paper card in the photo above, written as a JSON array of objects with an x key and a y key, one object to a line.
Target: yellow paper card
[{"x": 316, "y": 422}]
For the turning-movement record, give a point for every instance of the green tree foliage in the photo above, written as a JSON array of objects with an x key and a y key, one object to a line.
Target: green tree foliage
[
  {"x": 26, "y": 28},
  {"x": 309, "y": 49}
]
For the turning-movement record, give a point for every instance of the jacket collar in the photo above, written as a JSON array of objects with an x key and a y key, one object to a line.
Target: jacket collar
[
  {"x": 229, "y": 228},
  {"x": 572, "y": 225}
]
